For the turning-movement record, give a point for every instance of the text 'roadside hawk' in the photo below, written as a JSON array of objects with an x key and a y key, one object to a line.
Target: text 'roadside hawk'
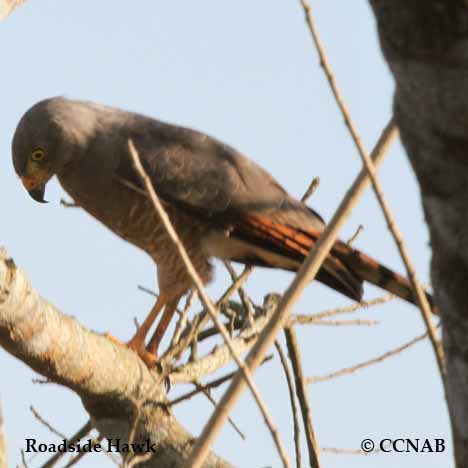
[{"x": 221, "y": 203}]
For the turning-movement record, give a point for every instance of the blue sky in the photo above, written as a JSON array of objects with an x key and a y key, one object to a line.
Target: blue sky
[{"x": 247, "y": 73}]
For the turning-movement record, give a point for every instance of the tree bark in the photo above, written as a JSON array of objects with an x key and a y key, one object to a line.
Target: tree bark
[
  {"x": 115, "y": 386},
  {"x": 425, "y": 43}
]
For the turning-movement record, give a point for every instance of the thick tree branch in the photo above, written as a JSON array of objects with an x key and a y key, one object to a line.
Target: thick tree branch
[
  {"x": 425, "y": 44},
  {"x": 115, "y": 386}
]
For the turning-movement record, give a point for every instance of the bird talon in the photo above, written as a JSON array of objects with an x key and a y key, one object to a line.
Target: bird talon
[{"x": 138, "y": 346}]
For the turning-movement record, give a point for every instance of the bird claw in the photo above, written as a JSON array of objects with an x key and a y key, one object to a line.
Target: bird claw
[{"x": 138, "y": 346}]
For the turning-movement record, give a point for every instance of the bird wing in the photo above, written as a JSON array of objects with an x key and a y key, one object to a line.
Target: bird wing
[{"x": 212, "y": 181}]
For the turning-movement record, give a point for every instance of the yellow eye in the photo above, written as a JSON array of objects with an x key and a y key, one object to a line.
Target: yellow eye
[{"x": 38, "y": 154}]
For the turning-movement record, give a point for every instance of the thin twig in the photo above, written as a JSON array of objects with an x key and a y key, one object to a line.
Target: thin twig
[
  {"x": 301, "y": 392},
  {"x": 154, "y": 294},
  {"x": 128, "y": 457},
  {"x": 137, "y": 459},
  {"x": 340, "y": 451},
  {"x": 23, "y": 458},
  {"x": 303, "y": 319},
  {"x": 213, "y": 384},
  {"x": 72, "y": 440},
  {"x": 370, "y": 362},
  {"x": 304, "y": 276},
  {"x": 220, "y": 354},
  {"x": 182, "y": 322},
  {"x": 244, "y": 297},
  {"x": 209, "y": 307},
  {"x": 371, "y": 171},
  {"x": 131, "y": 186},
  {"x": 353, "y": 238},
  {"x": 230, "y": 420},
  {"x": 292, "y": 399},
  {"x": 201, "y": 320},
  {"x": 311, "y": 189},
  {"x": 74, "y": 460},
  {"x": 147, "y": 290},
  {"x": 341, "y": 323},
  {"x": 45, "y": 423}
]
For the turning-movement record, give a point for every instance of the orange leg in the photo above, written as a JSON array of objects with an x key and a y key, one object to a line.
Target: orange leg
[
  {"x": 137, "y": 342},
  {"x": 169, "y": 310}
]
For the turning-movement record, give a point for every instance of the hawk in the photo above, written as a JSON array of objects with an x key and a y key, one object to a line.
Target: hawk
[{"x": 220, "y": 202}]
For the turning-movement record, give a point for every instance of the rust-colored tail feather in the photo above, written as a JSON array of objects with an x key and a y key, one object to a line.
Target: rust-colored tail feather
[{"x": 344, "y": 269}]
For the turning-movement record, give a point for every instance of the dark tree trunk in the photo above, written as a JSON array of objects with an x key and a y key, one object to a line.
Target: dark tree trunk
[{"x": 425, "y": 43}]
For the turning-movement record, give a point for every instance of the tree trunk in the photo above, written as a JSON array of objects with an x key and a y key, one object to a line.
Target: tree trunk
[{"x": 425, "y": 45}]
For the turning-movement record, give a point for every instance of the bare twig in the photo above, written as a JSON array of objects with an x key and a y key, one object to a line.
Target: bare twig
[
  {"x": 220, "y": 355},
  {"x": 137, "y": 459},
  {"x": 301, "y": 392},
  {"x": 45, "y": 423},
  {"x": 154, "y": 294},
  {"x": 292, "y": 399},
  {"x": 72, "y": 440},
  {"x": 23, "y": 458},
  {"x": 371, "y": 171},
  {"x": 303, "y": 319},
  {"x": 246, "y": 301},
  {"x": 209, "y": 307},
  {"x": 131, "y": 186},
  {"x": 230, "y": 420},
  {"x": 353, "y": 238},
  {"x": 205, "y": 389},
  {"x": 311, "y": 189},
  {"x": 340, "y": 451},
  {"x": 341, "y": 323},
  {"x": 370, "y": 362},
  {"x": 202, "y": 319},
  {"x": 74, "y": 460},
  {"x": 147, "y": 290},
  {"x": 200, "y": 388},
  {"x": 306, "y": 273},
  {"x": 182, "y": 322}
]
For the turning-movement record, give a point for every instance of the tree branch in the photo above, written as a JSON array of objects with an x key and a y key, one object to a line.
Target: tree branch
[
  {"x": 115, "y": 386},
  {"x": 301, "y": 392}
]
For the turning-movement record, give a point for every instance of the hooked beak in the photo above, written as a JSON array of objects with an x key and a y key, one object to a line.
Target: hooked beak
[{"x": 35, "y": 188}]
